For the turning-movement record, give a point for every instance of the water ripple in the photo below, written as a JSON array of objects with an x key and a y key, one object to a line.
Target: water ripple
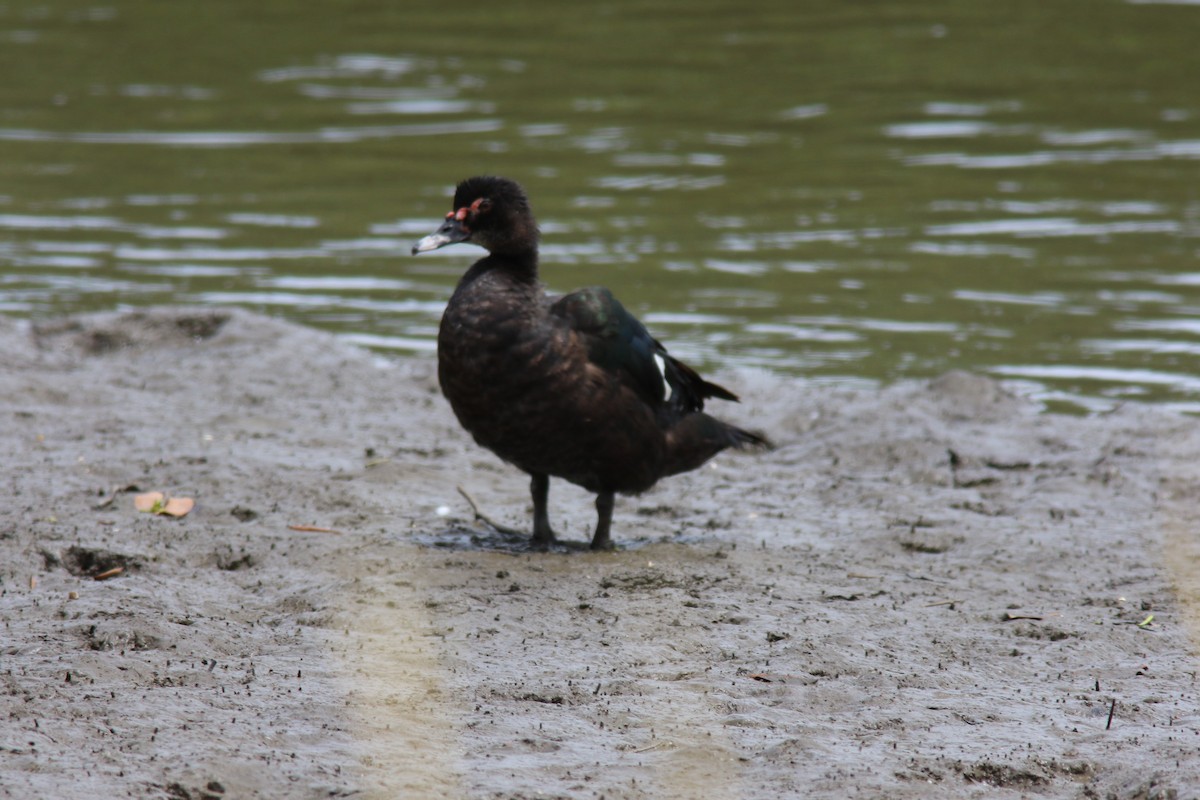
[
  {"x": 1155, "y": 346},
  {"x": 273, "y": 220},
  {"x": 425, "y": 106},
  {"x": 1183, "y": 149},
  {"x": 352, "y": 282},
  {"x": 809, "y": 333},
  {"x": 302, "y": 300},
  {"x": 1081, "y": 138},
  {"x": 948, "y": 129},
  {"x": 1050, "y": 227},
  {"x": 344, "y": 66},
  {"x": 333, "y": 135},
  {"x": 134, "y": 253},
  {"x": 737, "y": 267},
  {"x": 1048, "y": 299},
  {"x": 55, "y": 261},
  {"x": 788, "y": 239},
  {"x": 319, "y": 91},
  {"x": 1186, "y": 383},
  {"x": 35, "y": 222},
  {"x": 1191, "y": 326},
  {"x": 805, "y": 112},
  {"x": 949, "y": 109},
  {"x": 658, "y": 182},
  {"x": 977, "y": 249}
]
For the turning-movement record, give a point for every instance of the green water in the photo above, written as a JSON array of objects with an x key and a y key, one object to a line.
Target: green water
[{"x": 831, "y": 190}]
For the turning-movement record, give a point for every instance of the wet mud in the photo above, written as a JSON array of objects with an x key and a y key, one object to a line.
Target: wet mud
[{"x": 926, "y": 590}]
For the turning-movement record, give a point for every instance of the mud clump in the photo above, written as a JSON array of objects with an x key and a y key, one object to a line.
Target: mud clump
[{"x": 106, "y": 334}]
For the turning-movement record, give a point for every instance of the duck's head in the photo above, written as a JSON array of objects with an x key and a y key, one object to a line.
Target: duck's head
[{"x": 491, "y": 212}]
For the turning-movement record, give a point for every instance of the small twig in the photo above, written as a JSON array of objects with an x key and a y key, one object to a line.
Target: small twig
[
  {"x": 913, "y": 577},
  {"x": 1144, "y": 625},
  {"x": 479, "y": 515},
  {"x": 471, "y": 502},
  {"x": 942, "y": 603},
  {"x": 109, "y": 573},
  {"x": 112, "y": 495},
  {"x": 1010, "y": 616},
  {"x": 1111, "y": 709},
  {"x": 313, "y": 529},
  {"x": 108, "y": 501}
]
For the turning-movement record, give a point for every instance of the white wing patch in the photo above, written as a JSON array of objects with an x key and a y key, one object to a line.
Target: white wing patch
[{"x": 662, "y": 370}]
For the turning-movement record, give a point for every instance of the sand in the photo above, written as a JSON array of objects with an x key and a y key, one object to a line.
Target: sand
[{"x": 928, "y": 590}]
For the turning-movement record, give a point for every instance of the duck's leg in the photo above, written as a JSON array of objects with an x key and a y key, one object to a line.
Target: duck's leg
[
  {"x": 604, "y": 511},
  {"x": 543, "y": 534}
]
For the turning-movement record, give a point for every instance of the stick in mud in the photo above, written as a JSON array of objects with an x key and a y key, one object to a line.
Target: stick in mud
[{"x": 479, "y": 515}]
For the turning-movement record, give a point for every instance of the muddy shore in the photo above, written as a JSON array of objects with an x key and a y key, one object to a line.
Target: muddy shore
[{"x": 926, "y": 591}]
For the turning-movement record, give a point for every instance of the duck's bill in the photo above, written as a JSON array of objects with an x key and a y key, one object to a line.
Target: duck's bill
[{"x": 451, "y": 232}]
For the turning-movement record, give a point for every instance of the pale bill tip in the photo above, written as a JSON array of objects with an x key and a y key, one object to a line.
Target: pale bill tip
[{"x": 431, "y": 242}]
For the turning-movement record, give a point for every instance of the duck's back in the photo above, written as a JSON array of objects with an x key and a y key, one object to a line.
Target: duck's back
[{"x": 520, "y": 379}]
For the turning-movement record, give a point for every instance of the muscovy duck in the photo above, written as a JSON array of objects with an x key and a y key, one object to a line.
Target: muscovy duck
[{"x": 572, "y": 387}]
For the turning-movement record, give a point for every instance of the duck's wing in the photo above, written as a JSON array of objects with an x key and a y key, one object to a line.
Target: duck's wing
[{"x": 619, "y": 343}]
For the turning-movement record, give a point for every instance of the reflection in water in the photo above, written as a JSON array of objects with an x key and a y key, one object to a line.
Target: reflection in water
[{"x": 857, "y": 213}]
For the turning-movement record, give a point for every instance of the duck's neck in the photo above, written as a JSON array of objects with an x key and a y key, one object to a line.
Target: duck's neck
[{"x": 521, "y": 265}]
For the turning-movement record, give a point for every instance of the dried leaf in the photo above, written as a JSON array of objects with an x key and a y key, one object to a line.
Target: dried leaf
[
  {"x": 158, "y": 503},
  {"x": 178, "y": 506},
  {"x": 150, "y": 501}
]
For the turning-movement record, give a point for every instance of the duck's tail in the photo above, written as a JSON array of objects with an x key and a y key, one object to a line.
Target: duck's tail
[
  {"x": 698, "y": 437},
  {"x": 688, "y": 389}
]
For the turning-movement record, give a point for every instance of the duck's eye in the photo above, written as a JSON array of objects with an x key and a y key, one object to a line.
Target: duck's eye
[{"x": 483, "y": 205}]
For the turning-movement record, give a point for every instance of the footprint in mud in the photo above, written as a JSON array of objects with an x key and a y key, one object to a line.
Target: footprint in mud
[
  {"x": 462, "y": 536},
  {"x": 109, "y": 635},
  {"x": 90, "y": 562}
]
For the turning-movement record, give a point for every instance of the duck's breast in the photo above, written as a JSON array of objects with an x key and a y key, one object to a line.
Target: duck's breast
[{"x": 521, "y": 382}]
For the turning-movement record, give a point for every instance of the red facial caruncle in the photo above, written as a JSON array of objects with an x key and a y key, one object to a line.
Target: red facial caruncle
[{"x": 481, "y": 204}]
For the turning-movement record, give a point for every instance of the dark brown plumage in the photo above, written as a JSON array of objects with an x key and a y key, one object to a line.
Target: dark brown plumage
[{"x": 571, "y": 387}]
